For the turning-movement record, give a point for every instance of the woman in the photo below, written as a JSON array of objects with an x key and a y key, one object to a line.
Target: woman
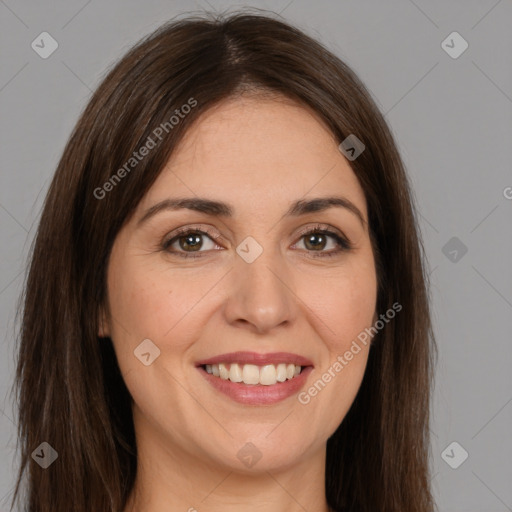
[{"x": 227, "y": 306}]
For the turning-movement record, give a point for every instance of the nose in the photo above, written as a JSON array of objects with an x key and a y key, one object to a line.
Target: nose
[{"x": 261, "y": 295}]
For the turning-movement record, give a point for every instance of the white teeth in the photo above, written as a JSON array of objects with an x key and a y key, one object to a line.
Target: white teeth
[
  {"x": 267, "y": 375},
  {"x": 223, "y": 372},
  {"x": 281, "y": 372},
  {"x": 235, "y": 373},
  {"x": 250, "y": 374}
]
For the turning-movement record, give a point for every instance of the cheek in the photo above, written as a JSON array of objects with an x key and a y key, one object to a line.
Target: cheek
[
  {"x": 145, "y": 301},
  {"x": 345, "y": 303},
  {"x": 349, "y": 311},
  {"x": 344, "y": 308}
]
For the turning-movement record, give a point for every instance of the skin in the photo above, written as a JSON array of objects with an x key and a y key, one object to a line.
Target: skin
[{"x": 259, "y": 155}]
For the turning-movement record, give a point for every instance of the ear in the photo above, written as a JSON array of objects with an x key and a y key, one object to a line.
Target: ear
[
  {"x": 375, "y": 318},
  {"x": 103, "y": 325}
]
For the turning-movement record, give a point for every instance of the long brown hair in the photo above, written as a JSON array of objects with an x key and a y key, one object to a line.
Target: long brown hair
[{"x": 69, "y": 390}]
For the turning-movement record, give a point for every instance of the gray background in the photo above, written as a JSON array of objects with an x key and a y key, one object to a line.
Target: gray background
[{"x": 452, "y": 119}]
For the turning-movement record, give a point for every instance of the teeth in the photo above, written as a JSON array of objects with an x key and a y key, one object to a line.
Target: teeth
[
  {"x": 251, "y": 374},
  {"x": 281, "y": 372},
  {"x": 268, "y": 375},
  {"x": 235, "y": 373},
  {"x": 223, "y": 372}
]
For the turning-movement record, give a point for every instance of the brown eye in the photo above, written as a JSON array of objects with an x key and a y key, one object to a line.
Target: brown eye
[
  {"x": 189, "y": 241},
  {"x": 317, "y": 240},
  {"x": 192, "y": 241}
]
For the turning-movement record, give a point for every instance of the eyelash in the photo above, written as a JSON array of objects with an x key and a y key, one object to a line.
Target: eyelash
[{"x": 343, "y": 244}]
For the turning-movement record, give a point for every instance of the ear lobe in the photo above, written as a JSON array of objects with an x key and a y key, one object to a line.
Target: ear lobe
[
  {"x": 103, "y": 327},
  {"x": 375, "y": 318}
]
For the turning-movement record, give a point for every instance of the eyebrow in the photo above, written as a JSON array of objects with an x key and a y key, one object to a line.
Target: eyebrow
[{"x": 220, "y": 209}]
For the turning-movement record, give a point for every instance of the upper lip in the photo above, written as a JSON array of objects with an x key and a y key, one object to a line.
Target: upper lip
[{"x": 257, "y": 359}]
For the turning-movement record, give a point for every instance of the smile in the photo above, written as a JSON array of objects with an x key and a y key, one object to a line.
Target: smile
[
  {"x": 251, "y": 374},
  {"x": 250, "y": 378}
]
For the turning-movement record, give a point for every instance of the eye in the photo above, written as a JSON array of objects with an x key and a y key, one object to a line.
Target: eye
[
  {"x": 316, "y": 239},
  {"x": 188, "y": 241}
]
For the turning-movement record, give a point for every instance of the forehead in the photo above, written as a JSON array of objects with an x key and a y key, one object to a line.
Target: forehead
[{"x": 256, "y": 150}]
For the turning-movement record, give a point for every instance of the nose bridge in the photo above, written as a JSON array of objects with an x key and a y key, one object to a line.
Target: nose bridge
[{"x": 262, "y": 292}]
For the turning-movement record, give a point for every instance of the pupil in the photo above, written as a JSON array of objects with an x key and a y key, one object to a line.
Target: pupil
[{"x": 194, "y": 242}]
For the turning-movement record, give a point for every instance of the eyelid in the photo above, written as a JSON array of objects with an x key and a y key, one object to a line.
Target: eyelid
[
  {"x": 322, "y": 227},
  {"x": 200, "y": 228}
]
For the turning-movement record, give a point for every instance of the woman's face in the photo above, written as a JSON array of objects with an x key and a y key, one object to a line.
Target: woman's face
[{"x": 256, "y": 294}]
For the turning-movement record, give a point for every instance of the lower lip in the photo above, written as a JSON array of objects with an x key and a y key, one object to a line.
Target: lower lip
[{"x": 258, "y": 394}]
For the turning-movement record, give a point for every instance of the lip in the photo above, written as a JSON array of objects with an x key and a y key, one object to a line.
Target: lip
[
  {"x": 257, "y": 394},
  {"x": 257, "y": 359}
]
